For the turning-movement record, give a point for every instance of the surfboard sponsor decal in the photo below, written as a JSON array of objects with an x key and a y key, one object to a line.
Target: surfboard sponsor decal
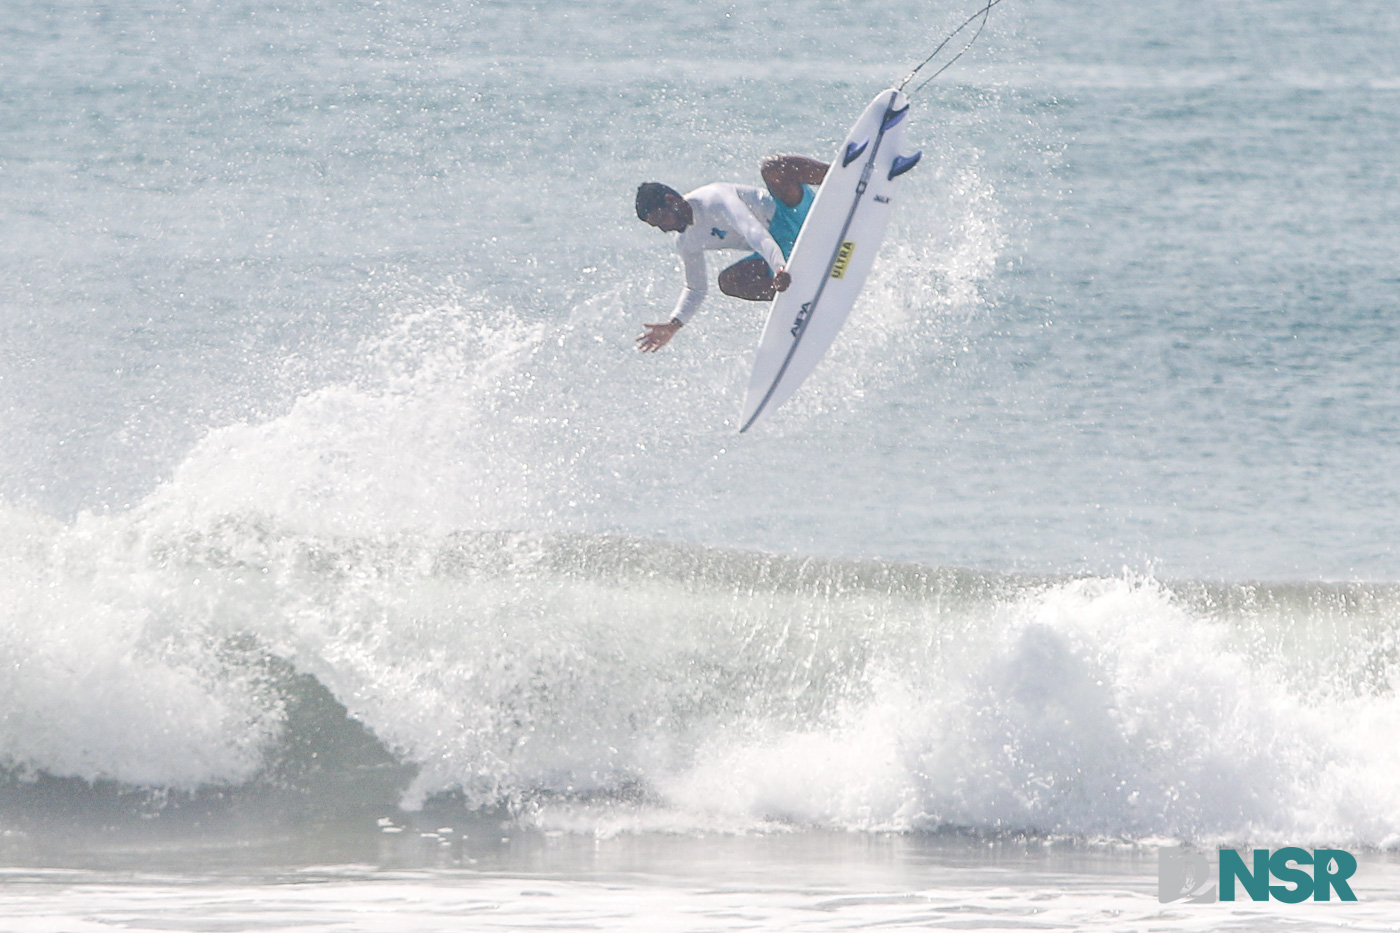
[
  {"x": 843, "y": 257},
  {"x": 801, "y": 318}
]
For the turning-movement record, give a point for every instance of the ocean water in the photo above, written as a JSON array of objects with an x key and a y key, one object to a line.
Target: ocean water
[{"x": 358, "y": 573}]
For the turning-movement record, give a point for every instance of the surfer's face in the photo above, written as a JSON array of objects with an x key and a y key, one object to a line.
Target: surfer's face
[
  {"x": 673, "y": 216},
  {"x": 666, "y": 218}
]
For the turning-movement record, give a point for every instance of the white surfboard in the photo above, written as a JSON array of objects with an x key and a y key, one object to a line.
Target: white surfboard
[{"x": 832, "y": 256}]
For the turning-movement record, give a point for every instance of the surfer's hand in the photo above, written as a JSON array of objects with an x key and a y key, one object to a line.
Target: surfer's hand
[
  {"x": 781, "y": 279},
  {"x": 657, "y": 336}
]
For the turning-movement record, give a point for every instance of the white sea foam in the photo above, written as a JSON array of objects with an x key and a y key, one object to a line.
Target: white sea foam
[{"x": 603, "y": 684}]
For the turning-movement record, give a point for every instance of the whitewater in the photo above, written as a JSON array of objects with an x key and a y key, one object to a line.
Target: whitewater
[{"x": 357, "y": 573}]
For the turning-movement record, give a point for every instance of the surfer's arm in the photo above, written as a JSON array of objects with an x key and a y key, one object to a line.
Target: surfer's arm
[
  {"x": 696, "y": 286},
  {"x": 656, "y": 336},
  {"x": 754, "y": 233}
]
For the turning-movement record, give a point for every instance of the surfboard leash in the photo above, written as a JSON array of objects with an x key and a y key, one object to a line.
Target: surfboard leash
[{"x": 984, "y": 13}]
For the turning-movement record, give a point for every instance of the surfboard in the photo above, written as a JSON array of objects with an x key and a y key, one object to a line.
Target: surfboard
[{"x": 832, "y": 256}]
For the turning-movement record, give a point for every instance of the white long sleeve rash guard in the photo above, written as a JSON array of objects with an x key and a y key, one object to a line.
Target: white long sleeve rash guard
[{"x": 726, "y": 216}]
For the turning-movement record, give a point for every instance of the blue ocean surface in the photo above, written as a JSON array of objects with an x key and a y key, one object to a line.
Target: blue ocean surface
[{"x": 337, "y": 508}]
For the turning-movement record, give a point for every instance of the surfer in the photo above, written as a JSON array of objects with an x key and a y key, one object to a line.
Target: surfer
[{"x": 728, "y": 216}]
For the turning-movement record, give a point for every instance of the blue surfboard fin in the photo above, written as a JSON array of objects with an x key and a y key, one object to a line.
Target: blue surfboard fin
[
  {"x": 894, "y": 116},
  {"x": 853, "y": 151},
  {"x": 903, "y": 164}
]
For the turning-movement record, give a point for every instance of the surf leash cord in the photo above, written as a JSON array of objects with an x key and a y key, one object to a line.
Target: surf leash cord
[{"x": 983, "y": 14}]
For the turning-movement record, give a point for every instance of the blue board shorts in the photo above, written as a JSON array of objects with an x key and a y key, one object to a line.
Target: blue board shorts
[{"x": 787, "y": 222}]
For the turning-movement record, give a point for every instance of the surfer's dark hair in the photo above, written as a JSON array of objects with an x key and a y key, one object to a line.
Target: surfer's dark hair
[{"x": 650, "y": 196}]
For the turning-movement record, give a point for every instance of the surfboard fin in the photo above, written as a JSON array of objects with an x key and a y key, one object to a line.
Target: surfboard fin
[
  {"x": 903, "y": 164},
  {"x": 853, "y": 151},
  {"x": 894, "y": 116}
]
